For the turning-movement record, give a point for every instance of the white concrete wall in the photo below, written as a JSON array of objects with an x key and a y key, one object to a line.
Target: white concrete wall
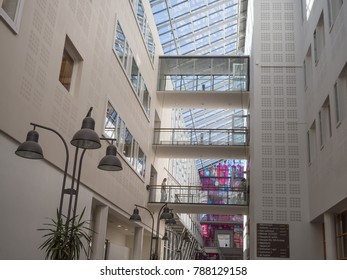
[
  {"x": 278, "y": 183},
  {"x": 327, "y": 171}
]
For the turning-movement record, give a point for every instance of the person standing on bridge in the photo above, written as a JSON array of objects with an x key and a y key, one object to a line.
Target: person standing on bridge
[{"x": 163, "y": 191}]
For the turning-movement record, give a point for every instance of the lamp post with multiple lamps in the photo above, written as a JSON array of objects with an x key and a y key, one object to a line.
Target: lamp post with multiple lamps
[
  {"x": 163, "y": 214},
  {"x": 87, "y": 139}
]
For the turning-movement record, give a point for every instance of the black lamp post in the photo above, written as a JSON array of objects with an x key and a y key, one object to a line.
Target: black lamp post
[
  {"x": 165, "y": 215},
  {"x": 86, "y": 138},
  {"x": 137, "y": 218}
]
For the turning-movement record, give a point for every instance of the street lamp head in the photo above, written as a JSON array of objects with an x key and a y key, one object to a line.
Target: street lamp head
[
  {"x": 172, "y": 220},
  {"x": 165, "y": 237},
  {"x": 110, "y": 162},
  {"x": 86, "y": 137},
  {"x": 166, "y": 214},
  {"x": 30, "y": 148},
  {"x": 135, "y": 216},
  {"x": 186, "y": 236}
]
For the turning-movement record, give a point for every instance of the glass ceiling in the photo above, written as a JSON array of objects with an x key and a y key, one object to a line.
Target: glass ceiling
[{"x": 202, "y": 27}]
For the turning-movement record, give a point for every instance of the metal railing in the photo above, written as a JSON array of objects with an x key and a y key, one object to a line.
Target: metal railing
[
  {"x": 212, "y": 83},
  {"x": 199, "y": 195},
  {"x": 204, "y": 137}
]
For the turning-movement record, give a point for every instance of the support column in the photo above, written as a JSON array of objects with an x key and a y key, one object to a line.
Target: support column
[
  {"x": 330, "y": 236},
  {"x": 138, "y": 243},
  {"x": 99, "y": 236}
]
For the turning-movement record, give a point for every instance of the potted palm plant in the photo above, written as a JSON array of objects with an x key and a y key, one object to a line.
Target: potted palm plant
[{"x": 66, "y": 239}]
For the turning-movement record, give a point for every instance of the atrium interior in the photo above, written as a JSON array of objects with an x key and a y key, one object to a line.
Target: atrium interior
[{"x": 211, "y": 129}]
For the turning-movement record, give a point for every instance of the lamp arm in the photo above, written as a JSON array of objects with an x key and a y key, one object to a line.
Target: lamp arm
[
  {"x": 157, "y": 232},
  {"x": 66, "y": 160},
  {"x": 142, "y": 207},
  {"x": 78, "y": 185}
]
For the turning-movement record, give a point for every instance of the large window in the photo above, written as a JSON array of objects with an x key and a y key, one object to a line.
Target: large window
[
  {"x": 341, "y": 235},
  {"x": 116, "y": 128},
  {"x": 11, "y": 12},
  {"x": 124, "y": 54}
]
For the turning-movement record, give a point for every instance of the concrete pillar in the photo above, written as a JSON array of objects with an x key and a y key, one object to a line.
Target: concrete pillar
[
  {"x": 138, "y": 243},
  {"x": 330, "y": 236},
  {"x": 99, "y": 235}
]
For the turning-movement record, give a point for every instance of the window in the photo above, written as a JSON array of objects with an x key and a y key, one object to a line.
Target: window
[
  {"x": 124, "y": 54},
  {"x": 111, "y": 122},
  {"x": 135, "y": 76},
  {"x": 128, "y": 148},
  {"x": 308, "y": 68},
  {"x": 319, "y": 38},
  {"x": 115, "y": 128},
  {"x": 334, "y": 8},
  {"x": 341, "y": 235},
  {"x": 70, "y": 69},
  {"x": 312, "y": 144},
  {"x": 11, "y": 13},
  {"x": 121, "y": 47},
  {"x": 340, "y": 89},
  {"x": 141, "y": 163},
  {"x": 144, "y": 27},
  {"x": 325, "y": 122},
  {"x": 309, "y": 4},
  {"x": 141, "y": 17},
  {"x": 119, "y": 44}
]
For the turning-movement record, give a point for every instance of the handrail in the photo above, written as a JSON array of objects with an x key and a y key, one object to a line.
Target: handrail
[
  {"x": 242, "y": 129},
  {"x": 199, "y": 195},
  {"x": 200, "y": 136}
]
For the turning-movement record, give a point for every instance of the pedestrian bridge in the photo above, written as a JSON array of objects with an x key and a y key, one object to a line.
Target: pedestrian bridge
[
  {"x": 201, "y": 143},
  {"x": 198, "y": 199}
]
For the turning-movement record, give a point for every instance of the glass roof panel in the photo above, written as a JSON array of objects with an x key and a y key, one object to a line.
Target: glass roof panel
[{"x": 196, "y": 19}]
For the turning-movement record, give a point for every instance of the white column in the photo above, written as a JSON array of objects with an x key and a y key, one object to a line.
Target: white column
[
  {"x": 330, "y": 236},
  {"x": 138, "y": 243},
  {"x": 99, "y": 235}
]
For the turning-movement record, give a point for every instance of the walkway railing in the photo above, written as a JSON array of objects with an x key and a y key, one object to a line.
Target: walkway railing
[
  {"x": 199, "y": 195},
  {"x": 203, "y": 73},
  {"x": 208, "y": 137}
]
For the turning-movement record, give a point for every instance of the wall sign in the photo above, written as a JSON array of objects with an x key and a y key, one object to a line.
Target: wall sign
[{"x": 273, "y": 240}]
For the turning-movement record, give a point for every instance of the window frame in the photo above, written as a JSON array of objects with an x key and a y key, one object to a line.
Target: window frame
[
  {"x": 14, "y": 24},
  {"x": 73, "y": 53},
  {"x": 319, "y": 38},
  {"x": 312, "y": 145}
]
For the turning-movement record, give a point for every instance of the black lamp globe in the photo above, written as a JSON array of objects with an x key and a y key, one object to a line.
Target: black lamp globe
[
  {"x": 30, "y": 148},
  {"x": 86, "y": 137},
  {"x": 166, "y": 215},
  {"x": 110, "y": 162},
  {"x": 135, "y": 216}
]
